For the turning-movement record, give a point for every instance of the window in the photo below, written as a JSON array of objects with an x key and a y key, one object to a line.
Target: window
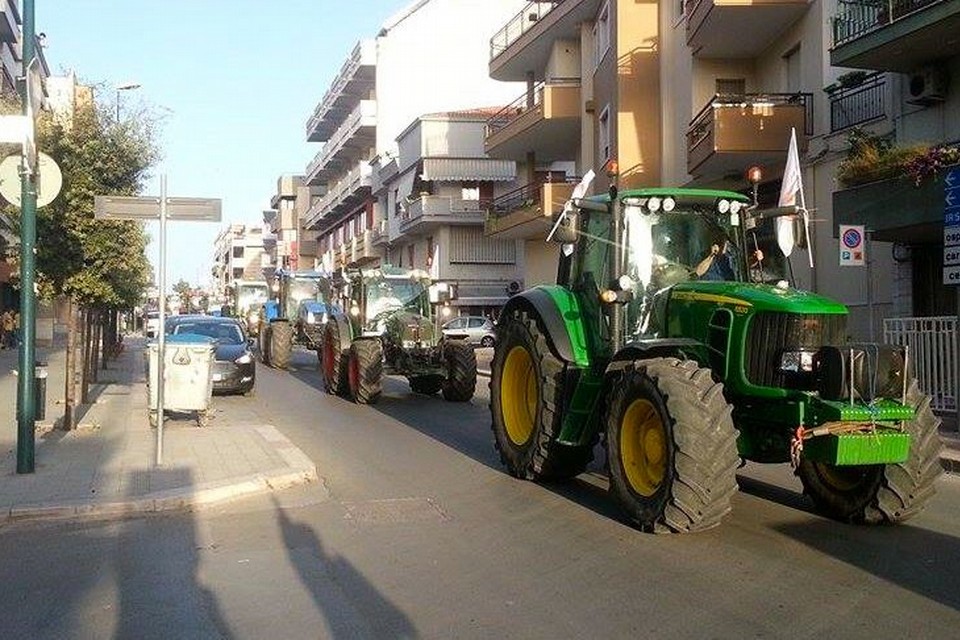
[
  {"x": 476, "y": 323},
  {"x": 455, "y": 324},
  {"x": 410, "y": 255},
  {"x": 791, "y": 62},
  {"x": 470, "y": 191},
  {"x": 603, "y": 137},
  {"x": 429, "y": 251},
  {"x": 238, "y": 252},
  {"x": 601, "y": 34},
  {"x": 238, "y": 273},
  {"x": 731, "y": 87}
]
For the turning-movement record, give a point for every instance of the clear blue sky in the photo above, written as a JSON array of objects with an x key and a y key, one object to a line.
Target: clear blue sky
[{"x": 235, "y": 81}]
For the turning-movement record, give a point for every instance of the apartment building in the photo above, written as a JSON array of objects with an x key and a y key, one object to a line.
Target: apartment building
[
  {"x": 433, "y": 192},
  {"x": 238, "y": 255},
  {"x": 429, "y": 57},
  {"x": 283, "y": 240},
  {"x": 694, "y": 93}
]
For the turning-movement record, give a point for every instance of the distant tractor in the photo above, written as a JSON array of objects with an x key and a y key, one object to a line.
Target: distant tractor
[
  {"x": 388, "y": 328},
  {"x": 280, "y": 323},
  {"x": 665, "y": 337},
  {"x": 248, "y": 297}
]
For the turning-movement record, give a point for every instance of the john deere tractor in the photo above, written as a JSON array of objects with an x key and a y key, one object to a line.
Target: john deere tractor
[
  {"x": 281, "y": 324},
  {"x": 669, "y": 337},
  {"x": 388, "y": 328}
]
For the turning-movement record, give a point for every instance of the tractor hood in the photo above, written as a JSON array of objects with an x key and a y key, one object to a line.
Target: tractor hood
[
  {"x": 756, "y": 297},
  {"x": 408, "y": 328}
]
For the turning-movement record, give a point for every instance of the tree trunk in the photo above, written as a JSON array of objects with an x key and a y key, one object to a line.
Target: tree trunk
[
  {"x": 97, "y": 344},
  {"x": 70, "y": 385},
  {"x": 85, "y": 355}
]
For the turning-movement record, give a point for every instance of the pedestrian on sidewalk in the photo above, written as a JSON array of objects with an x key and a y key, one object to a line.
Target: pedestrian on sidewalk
[
  {"x": 15, "y": 342},
  {"x": 6, "y": 328}
]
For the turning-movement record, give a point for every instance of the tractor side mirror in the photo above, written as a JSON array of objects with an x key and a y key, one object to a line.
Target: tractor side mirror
[{"x": 565, "y": 231}]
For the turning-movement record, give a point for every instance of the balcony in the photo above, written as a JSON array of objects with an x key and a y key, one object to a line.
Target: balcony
[
  {"x": 525, "y": 42},
  {"x": 858, "y": 105},
  {"x": 9, "y": 21},
  {"x": 430, "y": 212},
  {"x": 546, "y": 120},
  {"x": 527, "y": 212},
  {"x": 355, "y": 82},
  {"x": 361, "y": 250},
  {"x": 349, "y": 143},
  {"x": 712, "y": 25},
  {"x": 345, "y": 194},
  {"x": 895, "y": 210},
  {"x": 380, "y": 234},
  {"x": 731, "y": 134},
  {"x": 894, "y": 35}
]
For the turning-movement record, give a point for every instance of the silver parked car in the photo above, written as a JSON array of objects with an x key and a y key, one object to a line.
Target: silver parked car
[{"x": 474, "y": 329}]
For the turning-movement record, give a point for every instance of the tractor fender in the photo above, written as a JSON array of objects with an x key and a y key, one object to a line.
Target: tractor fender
[
  {"x": 558, "y": 313},
  {"x": 682, "y": 348},
  {"x": 345, "y": 330}
]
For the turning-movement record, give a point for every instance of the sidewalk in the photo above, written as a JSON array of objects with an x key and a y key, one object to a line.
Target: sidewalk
[{"x": 105, "y": 468}]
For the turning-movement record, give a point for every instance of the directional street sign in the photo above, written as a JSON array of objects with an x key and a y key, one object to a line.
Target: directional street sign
[{"x": 951, "y": 227}]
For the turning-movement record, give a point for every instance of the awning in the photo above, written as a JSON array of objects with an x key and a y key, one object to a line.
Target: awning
[{"x": 461, "y": 169}]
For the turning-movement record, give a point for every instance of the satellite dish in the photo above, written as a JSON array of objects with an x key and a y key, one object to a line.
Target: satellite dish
[{"x": 48, "y": 185}]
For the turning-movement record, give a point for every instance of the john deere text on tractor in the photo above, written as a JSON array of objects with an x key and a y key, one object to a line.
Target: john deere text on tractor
[
  {"x": 388, "y": 328},
  {"x": 662, "y": 336}
]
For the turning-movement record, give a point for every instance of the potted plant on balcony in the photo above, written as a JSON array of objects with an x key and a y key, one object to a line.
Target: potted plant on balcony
[{"x": 871, "y": 158}]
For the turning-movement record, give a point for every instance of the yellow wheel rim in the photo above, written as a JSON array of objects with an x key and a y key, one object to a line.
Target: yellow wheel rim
[
  {"x": 519, "y": 395},
  {"x": 643, "y": 447}
]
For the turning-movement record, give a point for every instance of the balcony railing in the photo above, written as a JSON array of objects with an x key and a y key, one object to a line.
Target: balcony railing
[
  {"x": 852, "y": 106},
  {"x": 365, "y": 114},
  {"x": 856, "y": 19},
  {"x": 702, "y": 124},
  {"x": 526, "y": 196},
  {"x": 530, "y": 100},
  {"x": 519, "y": 25},
  {"x": 363, "y": 53}
]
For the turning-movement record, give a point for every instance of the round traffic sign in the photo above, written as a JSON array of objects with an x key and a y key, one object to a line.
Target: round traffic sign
[
  {"x": 48, "y": 186},
  {"x": 852, "y": 238}
]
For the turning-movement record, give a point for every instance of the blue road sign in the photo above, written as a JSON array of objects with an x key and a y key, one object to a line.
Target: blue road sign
[{"x": 951, "y": 217}]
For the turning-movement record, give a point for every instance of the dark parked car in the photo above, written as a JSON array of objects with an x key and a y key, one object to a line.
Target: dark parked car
[
  {"x": 234, "y": 367},
  {"x": 474, "y": 329}
]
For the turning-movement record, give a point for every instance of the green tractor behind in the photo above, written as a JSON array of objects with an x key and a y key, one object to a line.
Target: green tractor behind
[
  {"x": 388, "y": 328},
  {"x": 666, "y": 339},
  {"x": 281, "y": 322}
]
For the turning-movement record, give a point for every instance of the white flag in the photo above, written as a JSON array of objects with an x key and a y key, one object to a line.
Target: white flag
[
  {"x": 792, "y": 185},
  {"x": 435, "y": 263}
]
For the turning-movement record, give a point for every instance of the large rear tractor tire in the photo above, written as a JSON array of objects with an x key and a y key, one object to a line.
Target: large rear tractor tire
[
  {"x": 365, "y": 371},
  {"x": 461, "y": 379},
  {"x": 881, "y": 494},
  {"x": 334, "y": 361},
  {"x": 281, "y": 344},
  {"x": 264, "y": 343},
  {"x": 427, "y": 385},
  {"x": 526, "y": 399},
  {"x": 672, "y": 446}
]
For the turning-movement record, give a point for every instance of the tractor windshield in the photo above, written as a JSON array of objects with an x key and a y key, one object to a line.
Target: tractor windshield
[{"x": 390, "y": 294}]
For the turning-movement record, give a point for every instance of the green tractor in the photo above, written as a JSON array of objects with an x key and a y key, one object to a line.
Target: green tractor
[
  {"x": 283, "y": 322},
  {"x": 667, "y": 336},
  {"x": 388, "y": 328}
]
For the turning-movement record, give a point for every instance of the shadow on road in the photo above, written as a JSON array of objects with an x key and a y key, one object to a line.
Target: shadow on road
[
  {"x": 350, "y": 604},
  {"x": 922, "y": 561}
]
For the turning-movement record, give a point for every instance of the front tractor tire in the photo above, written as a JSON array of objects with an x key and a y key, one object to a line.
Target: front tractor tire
[
  {"x": 281, "y": 344},
  {"x": 365, "y": 371},
  {"x": 334, "y": 361},
  {"x": 526, "y": 397},
  {"x": 881, "y": 494},
  {"x": 671, "y": 446},
  {"x": 461, "y": 381}
]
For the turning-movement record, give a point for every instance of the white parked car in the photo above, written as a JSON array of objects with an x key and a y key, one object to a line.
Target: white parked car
[{"x": 474, "y": 329}]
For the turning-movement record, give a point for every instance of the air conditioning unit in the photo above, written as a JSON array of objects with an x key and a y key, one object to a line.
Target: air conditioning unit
[
  {"x": 927, "y": 86},
  {"x": 513, "y": 287}
]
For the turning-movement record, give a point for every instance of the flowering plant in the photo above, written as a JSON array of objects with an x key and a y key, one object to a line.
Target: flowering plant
[{"x": 929, "y": 163}]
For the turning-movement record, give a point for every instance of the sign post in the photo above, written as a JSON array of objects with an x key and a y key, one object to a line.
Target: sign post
[
  {"x": 951, "y": 262},
  {"x": 163, "y": 208}
]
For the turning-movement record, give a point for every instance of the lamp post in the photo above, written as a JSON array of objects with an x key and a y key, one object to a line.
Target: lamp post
[{"x": 124, "y": 87}]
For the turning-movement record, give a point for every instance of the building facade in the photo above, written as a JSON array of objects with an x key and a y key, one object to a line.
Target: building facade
[
  {"x": 238, "y": 255},
  {"x": 429, "y": 57}
]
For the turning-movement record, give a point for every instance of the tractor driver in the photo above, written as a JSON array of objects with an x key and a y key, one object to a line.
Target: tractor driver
[{"x": 718, "y": 264}]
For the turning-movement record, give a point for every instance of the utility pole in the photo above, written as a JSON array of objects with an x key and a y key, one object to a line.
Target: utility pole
[{"x": 26, "y": 400}]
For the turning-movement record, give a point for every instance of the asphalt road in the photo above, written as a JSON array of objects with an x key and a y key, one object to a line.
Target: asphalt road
[{"x": 418, "y": 532}]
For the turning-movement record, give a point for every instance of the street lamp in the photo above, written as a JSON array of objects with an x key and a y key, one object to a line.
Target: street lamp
[{"x": 124, "y": 87}]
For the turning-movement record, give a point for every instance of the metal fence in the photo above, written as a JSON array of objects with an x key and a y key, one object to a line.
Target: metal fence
[
  {"x": 856, "y": 18},
  {"x": 851, "y": 106},
  {"x": 932, "y": 347}
]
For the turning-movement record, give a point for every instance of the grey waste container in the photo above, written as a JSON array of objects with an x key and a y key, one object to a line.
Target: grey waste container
[{"x": 188, "y": 375}]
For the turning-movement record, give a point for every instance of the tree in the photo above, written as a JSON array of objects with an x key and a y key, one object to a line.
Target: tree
[
  {"x": 100, "y": 265},
  {"x": 183, "y": 289}
]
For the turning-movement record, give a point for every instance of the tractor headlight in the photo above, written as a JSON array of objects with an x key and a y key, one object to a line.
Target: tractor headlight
[
  {"x": 608, "y": 296},
  {"x": 244, "y": 359},
  {"x": 669, "y": 204},
  {"x": 799, "y": 361},
  {"x": 735, "y": 207},
  {"x": 723, "y": 206},
  {"x": 654, "y": 204},
  {"x": 311, "y": 318},
  {"x": 625, "y": 283},
  {"x": 355, "y": 310}
]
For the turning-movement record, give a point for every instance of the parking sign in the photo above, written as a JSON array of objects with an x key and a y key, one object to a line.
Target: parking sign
[{"x": 852, "y": 245}]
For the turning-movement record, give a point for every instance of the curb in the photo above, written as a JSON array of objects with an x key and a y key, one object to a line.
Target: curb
[{"x": 170, "y": 500}]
